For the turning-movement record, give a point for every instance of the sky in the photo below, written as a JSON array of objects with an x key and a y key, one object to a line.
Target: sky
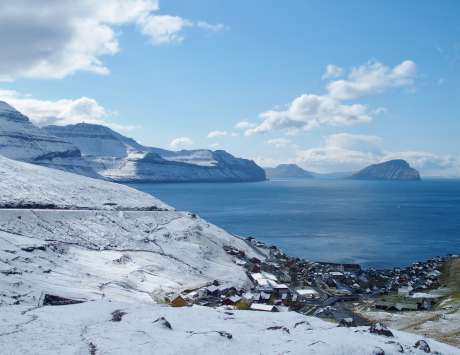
[{"x": 328, "y": 85}]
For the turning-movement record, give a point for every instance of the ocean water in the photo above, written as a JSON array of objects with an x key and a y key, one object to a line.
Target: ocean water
[{"x": 374, "y": 223}]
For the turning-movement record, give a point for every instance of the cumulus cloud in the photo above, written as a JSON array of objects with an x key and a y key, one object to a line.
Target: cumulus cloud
[
  {"x": 181, "y": 142},
  {"x": 60, "y": 112},
  {"x": 372, "y": 78},
  {"x": 309, "y": 111},
  {"x": 342, "y": 152},
  {"x": 332, "y": 71},
  {"x": 215, "y": 134},
  {"x": 164, "y": 29},
  {"x": 53, "y": 39},
  {"x": 351, "y": 152},
  {"x": 279, "y": 142}
]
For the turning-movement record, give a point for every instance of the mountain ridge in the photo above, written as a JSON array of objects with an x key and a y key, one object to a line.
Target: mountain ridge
[{"x": 122, "y": 159}]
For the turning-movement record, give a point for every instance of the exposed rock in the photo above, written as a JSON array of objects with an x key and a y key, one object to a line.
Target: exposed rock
[
  {"x": 53, "y": 300},
  {"x": 380, "y": 329},
  {"x": 285, "y": 171},
  {"x": 422, "y": 345},
  {"x": 378, "y": 351},
  {"x": 389, "y": 170},
  {"x": 117, "y": 315},
  {"x": 163, "y": 322},
  {"x": 347, "y": 322}
]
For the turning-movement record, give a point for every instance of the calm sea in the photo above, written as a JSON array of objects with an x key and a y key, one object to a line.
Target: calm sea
[{"x": 377, "y": 224}]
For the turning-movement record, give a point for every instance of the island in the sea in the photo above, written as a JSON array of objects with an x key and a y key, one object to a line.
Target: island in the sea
[
  {"x": 287, "y": 171},
  {"x": 397, "y": 169}
]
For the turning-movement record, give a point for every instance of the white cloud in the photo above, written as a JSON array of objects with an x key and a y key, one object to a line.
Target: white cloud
[
  {"x": 355, "y": 142},
  {"x": 332, "y": 71},
  {"x": 53, "y": 39},
  {"x": 181, "y": 142},
  {"x": 309, "y": 111},
  {"x": 349, "y": 152},
  {"x": 244, "y": 125},
  {"x": 279, "y": 142},
  {"x": 214, "y": 134},
  {"x": 372, "y": 78},
  {"x": 342, "y": 152},
  {"x": 60, "y": 112}
]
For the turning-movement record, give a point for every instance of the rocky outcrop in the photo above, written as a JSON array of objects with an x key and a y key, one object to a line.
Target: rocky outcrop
[
  {"x": 390, "y": 170},
  {"x": 21, "y": 140},
  {"x": 122, "y": 159},
  {"x": 287, "y": 171}
]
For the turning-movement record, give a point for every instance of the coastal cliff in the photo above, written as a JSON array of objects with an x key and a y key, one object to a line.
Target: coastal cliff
[{"x": 122, "y": 159}]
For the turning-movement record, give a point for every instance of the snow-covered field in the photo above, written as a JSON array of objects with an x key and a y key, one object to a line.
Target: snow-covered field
[
  {"x": 119, "y": 249},
  {"x": 88, "y": 329}
]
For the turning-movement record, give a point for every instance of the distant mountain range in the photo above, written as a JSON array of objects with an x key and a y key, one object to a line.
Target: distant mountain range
[
  {"x": 390, "y": 170},
  {"x": 98, "y": 151},
  {"x": 287, "y": 171}
]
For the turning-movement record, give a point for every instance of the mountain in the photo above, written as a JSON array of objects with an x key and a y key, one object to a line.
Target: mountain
[
  {"x": 107, "y": 256},
  {"x": 122, "y": 159},
  {"x": 74, "y": 236},
  {"x": 284, "y": 171},
  {"x": 21, "y": 140},
  {"x": 390, "y": 170}
]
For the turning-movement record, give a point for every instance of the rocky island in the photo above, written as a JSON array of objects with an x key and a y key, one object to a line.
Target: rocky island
[
  {"x": 397, "y": 169},
  {"x": 288, "y": 171}
]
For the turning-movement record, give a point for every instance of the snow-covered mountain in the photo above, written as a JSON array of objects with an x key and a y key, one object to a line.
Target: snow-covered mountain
[
  {"x": 77, "y": 229},
  {"x": 21, "y": 140},
  {"x": 120, "y": 251},
  {"x": 121, "y": 158}
]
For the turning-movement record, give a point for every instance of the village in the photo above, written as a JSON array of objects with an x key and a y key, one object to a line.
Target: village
[{"x": 280, "y": 283}]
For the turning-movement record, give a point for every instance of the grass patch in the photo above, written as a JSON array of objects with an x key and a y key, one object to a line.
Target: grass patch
[{"x": 451, "y": 276}]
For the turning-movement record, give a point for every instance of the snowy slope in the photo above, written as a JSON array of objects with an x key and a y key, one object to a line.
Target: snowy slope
[
  {"x": 24, "y": 185},
  {"x": 128, "y": 256},
  {"x": 72, "y": 242},
  {"x": 21, "y": 140},
  {"x": 123, "y": 159},
  {"x": 87, "y": 329}
]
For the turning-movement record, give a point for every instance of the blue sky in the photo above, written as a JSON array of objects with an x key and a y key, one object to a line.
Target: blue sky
[{"x": 182, "y": 69}]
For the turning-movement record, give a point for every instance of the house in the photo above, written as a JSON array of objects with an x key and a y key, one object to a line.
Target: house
[
  {"x": 308, "y": 293},
  {"x": 405, "y": 291},
  {"x": 231, "y": 301},
  {"x": 213, "y": 291},
  {"x": 263, "y": 307},
  {"x": 178, "y": 301}
]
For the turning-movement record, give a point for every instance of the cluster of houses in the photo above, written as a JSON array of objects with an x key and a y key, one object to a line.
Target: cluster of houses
[{"x": 281, "y": 283}]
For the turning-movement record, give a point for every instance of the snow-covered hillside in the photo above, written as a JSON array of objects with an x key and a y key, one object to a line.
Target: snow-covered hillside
[
  {"x": 121, "y": 252},
  {"x": 95, "y": 239},
  {"x": 123, "y": 159},
  {"x": 25, "y": 185},
  {"x": 21, "y": 140},
  {"x": 89, "y": 328}
]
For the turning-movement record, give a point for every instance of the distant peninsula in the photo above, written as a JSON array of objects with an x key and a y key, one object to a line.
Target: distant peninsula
[
  {"x": 397, "y": 169},
  {"x": 285, "y": 171}
]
